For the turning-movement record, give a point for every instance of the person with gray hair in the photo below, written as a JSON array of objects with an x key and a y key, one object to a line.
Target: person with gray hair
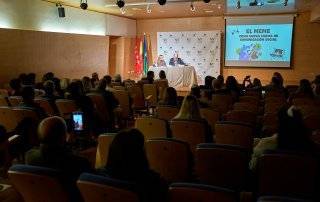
[{"x": 54, "y": 153}]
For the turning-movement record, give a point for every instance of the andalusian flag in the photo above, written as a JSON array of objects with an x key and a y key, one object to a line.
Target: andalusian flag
[{"x": 145, "y": 55}]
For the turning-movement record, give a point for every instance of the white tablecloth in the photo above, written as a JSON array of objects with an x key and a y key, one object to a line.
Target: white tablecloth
[{"x": 180, "y": 77}]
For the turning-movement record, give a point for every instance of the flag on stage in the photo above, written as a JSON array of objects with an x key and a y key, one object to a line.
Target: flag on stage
[
  {"x": 137, "y": 54},
  {"x": 145, "y": 55}
]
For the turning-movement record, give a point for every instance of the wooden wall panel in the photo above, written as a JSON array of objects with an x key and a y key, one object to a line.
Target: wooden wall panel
[{"x": 67, "y": 55}]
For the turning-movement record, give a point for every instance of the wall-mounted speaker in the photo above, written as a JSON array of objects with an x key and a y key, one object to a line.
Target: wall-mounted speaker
[{"x": 61, "y": 12}]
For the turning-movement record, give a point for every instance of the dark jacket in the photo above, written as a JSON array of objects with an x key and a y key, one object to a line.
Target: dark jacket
[{"x": 179, "y": 62}]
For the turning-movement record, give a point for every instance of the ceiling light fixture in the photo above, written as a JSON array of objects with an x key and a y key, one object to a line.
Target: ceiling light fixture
[
  {"x": 120, "y": 3},
  {"x": 162, "y": 2},
  {"x": 238, "y": 4},
  {"x": 285, "y": 2},
  {"x": 192, "y": 7},
  {"x": 148, "y": 9},
  {"x": 84, "y": 4},
  {"x": 206, "y": 1},
  {"x": 61, "y": 10},
  {"x": 123, "y": 10}
]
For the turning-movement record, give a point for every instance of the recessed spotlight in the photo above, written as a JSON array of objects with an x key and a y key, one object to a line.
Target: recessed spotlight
[
  {"x": 209, "y": 11},
  {"x": 238, "y": 4},
  {"x": 206, "y": 1},
  {"x": 84, "y": 4},
  {"x": 162, "y": 11},
  {"x": 148, "y": 9},
  {"x": 192, "y": 7},
  {"x": 120, "y": 3},
  {"x": 136, "y": 9},
  {"x": 162, "y": 2}
]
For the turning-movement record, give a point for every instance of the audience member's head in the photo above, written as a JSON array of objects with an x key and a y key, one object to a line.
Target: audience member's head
[
  {"x": 232, "y": 83},
  {"x": 221, "y": 79},
  {"x": 216, "y": 84},
  {"x": 30, "y": 79},
  {"x": 75, "y": 89},
  {"x": 64, "y": 83},
  {"x": 127, "y": 158},
  {"x": 3, "y": 146},
  {"x": 48, "y": 76},
  {"x": 95, "y": 76},
  {"x": 256, "y": 82},
  {"x": 22, "y": 78},
  {"x": 86, "y": 82},
  {"x": 15, "y": 84},
  {"x": 305, "y": 87},
  {"x": 108, "y": 80},
  {"x": 170, "y": 97},
  {"x": 195, "y": 91},
  {"x": 162, "y": 74},
  {"x": 189, "y": 109},
  {"x": 279, "y": 76},
  {"x": 208, "y": 81},
  {"x": 276, "y": 82},
  {"x": 49, "y": 87},
  {"x": 102, "y": 85},
  {"x": 150, "y": 76},
  {"x": 316, "y": 81},
  {"x": 292, "y": 134},
  {"x": 52, "y": 131},
  {"x": 28, "y": 94},
  {"x": 117, "y": 78}
]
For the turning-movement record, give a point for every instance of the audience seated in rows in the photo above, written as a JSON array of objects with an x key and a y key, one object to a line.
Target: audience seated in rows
[
  {"x": 292, "y": 136},
  {"x": 170, "y": 98},
  {"x": 127, "y": 161},
  {"x": 53, "y": 153},
  {"x": 190, "y": 110}
]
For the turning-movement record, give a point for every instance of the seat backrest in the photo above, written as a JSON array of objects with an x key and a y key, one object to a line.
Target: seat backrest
[
  {"x": 222, "y": 102},
  {"x": 151, "y": 90},
  {"x": 4, "y": 92},
  {"x": 100, "y": 106},
  {"x": 246, "y": 106},
  {"x": 136, "y": 94},
  {"x": 96, "y": 188},
  {"x": 192, "y": 132},
  {"x": 15, "y": 100},
  {"x": 199, "y": 192},
  {"x": 123, "y": 97},
  {"x": 37, "y": 184},
  {"x": 3, "y": 101},
  {"x": 66, "y": 107},
  {"x": 104, "y": 141},
  {"x": 241, "y": 116},
  {"x": 152, "y": 127},
  {"x": 312, "y": 121},
  {"x": 45, "y": 105},
  {"x": 279, "y": 100},
  {"x": 212, "y": 116},
  {"x": 167, "y": 112},
  {"x": 274, "y": 93},
  {"x": 280, "y": 199},
  {"x": 251, "y": 99},
  {"x": 170, "y": 158},
  {"x": 287, "y": 175},
  {"x": 8, "y": 119},
  {"x": 162, "y": 85},
  {"x": 234, "y": 134},
  {"x": 272, "y": 107},
  {"x": 23, "y": 113},
  {"x": 221, "y": 165},
  {"x": 303, "y": 101}
]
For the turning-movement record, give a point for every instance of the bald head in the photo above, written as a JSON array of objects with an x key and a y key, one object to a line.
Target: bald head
[{"x": 52, "y": 130}]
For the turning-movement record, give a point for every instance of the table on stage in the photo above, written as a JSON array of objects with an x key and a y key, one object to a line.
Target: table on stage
[{"x": 180, "y": 77}]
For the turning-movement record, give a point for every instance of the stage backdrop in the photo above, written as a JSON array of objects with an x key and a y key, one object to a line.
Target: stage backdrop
[{"x": 200, "y": 49}]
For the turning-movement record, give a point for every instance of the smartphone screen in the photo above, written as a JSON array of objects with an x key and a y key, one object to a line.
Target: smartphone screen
[{"x": 77, "y": 121}]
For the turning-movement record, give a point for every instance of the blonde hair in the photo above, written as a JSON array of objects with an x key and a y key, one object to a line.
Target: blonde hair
[{"x": 189, "y": 109}]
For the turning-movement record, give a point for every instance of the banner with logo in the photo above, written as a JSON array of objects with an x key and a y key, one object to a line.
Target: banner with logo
[{"x": 200, "y": 49}]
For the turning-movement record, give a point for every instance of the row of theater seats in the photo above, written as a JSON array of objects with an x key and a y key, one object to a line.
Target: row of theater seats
[{"x": 215, "y": 166}]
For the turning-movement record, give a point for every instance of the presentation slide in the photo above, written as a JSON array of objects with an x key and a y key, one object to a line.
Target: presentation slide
[{"x": 258, "y": 45}]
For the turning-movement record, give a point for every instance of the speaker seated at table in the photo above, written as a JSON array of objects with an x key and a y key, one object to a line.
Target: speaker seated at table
[
  {"x": 175, "y": 60},
  {"x": 160, "y": 62}
]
